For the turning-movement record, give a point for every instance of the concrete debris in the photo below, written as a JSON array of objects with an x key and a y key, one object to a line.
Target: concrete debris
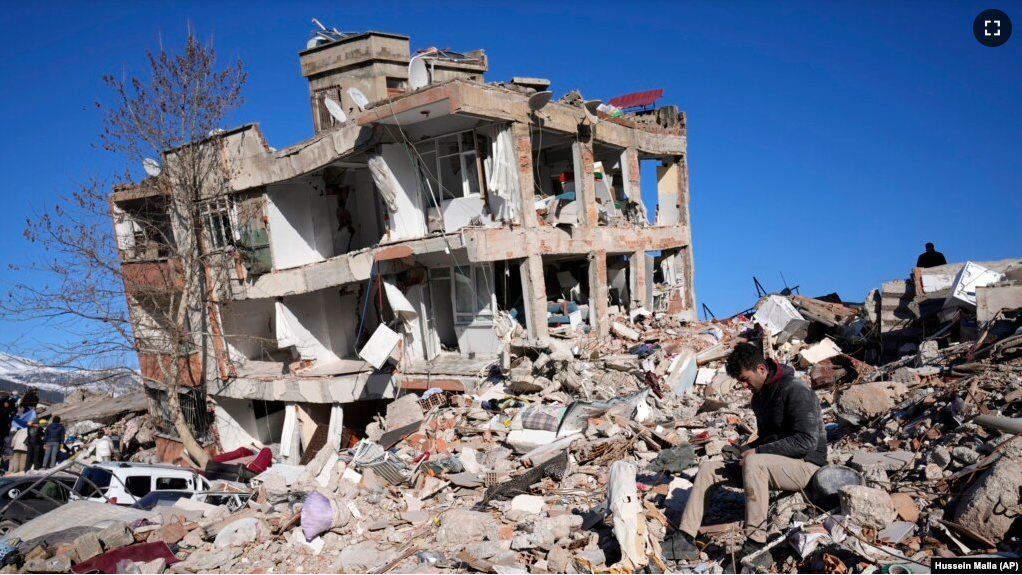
[
  {"x": 867, "y": 506},
  {"x": 579, "y": 457},
  {"x": 868, "y": 400}
]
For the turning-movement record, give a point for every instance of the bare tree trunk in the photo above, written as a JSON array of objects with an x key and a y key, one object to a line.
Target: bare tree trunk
[{"x": 184, "y": 432}]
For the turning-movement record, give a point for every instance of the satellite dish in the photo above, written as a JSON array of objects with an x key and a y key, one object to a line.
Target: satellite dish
[
  {"x": 418, "y": 75},
  {"x": 539, "y": 99},
  {"x": 359, "y": 98},
  {"x": 335, "y": 110},
  {"x": 592, "y": 105},
  {"x": 151, "y": 167}
]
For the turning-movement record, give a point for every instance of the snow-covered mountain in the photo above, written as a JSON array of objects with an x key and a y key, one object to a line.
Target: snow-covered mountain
[{"x": 19, "y": 373}]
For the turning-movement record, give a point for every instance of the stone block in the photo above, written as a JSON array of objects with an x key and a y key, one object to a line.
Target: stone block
[
  {"x": 116, "y": 535},
  {"x": 940, "y": 456},
  {"x": 558, "y": 559},
  {"x": 888, "y": 460},
  {"x": 56, "y": 564},
  {"x": 169, "y": 534},
  {"x": 154, "y": 567},
  {"x": 872, "y": 399},
  {"x": 86, "y": 547},
  {"x": 983, "y": 507},
  {"x": 867, "y": 506},
  {"x": 463, "y": 526},
  {"x": 219, "y": 560}
]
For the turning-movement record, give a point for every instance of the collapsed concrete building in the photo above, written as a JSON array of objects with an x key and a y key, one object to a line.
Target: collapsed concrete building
[{"x": 430, "y": 219}]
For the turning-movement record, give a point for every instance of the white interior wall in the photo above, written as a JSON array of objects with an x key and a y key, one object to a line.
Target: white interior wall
[
  {"x": 415, "y": 342},
  {"x": 422, "y": 299},
  {"x": 323, "y": 323},
  {"x": 478, "y": 338},
  {"x": 248, "y": 328},
  {"x": 323, "y": 209},
  {"x": 617, "y": 278},
  {"x": 235, "y": 423},
  {"x": 363, "y": 205},
  {"x": 342, "y": 321},
  {"x": 409, "y": 220},
  {"x": 238, "y": 426},
  {"x": 299, "y": 224},
  {"x": 442, "y": 311},
  {"x": 308, "y": 320}
]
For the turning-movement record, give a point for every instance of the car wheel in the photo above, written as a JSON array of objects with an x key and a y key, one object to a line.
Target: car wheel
[{"x": 7, "y": 526}]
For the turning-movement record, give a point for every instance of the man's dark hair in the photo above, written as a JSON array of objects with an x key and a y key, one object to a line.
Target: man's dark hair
[
  {"x": 929, "y": 245},
  {"x": 746, "y": 356},
  {"x": 56, "y": 419}
]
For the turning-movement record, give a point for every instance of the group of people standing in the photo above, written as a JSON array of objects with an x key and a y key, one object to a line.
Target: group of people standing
[
  {"x": 30, "y": 442},
  {"x": 34, "y": 447}
]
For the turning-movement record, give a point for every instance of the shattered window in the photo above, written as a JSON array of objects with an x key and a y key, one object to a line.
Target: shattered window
[
  {"x": 218, "y": 219},
  {"x": 464, "y": 305},
  {"x": 482, "y": 293},
  {"x": 448, "y": 166},
  {"x": 472, "y": 293},
  {"x": 171, "y": 483},
  {"x": 138, "y": 485}
]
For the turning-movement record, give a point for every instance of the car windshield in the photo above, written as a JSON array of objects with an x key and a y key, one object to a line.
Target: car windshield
[{"x": 93, "y": 482}]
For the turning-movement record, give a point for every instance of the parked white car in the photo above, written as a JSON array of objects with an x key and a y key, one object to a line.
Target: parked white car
[{"x": 124, "y": 483}]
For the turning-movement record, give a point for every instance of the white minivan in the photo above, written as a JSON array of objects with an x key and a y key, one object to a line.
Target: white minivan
[{"x": 124, "y": 483}]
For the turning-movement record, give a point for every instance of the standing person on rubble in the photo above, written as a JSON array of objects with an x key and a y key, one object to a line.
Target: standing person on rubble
[
  {"x": 8, "y": 452},
  {"x": 35, "y": 445},
  {"x": 791, "y": 446},
  {"x": 931, "y": 258},
  {"x": 102, "y": 447},
  {"x": 7, "y": 413},
  {"x": 20, "y": 446},
  {"x": 53, "y": 437}
]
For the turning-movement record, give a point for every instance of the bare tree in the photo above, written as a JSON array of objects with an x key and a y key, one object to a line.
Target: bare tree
[{"x": 150, "y": 283}]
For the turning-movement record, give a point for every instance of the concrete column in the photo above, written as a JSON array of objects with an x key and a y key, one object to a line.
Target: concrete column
[
  {"x": 687, "y": 262},
  {"x": 668, "y": 192},
  {"x": 526, "y": 180},
  {"x": 533, "y": 281},
  {"x": 585, "y": 181},
  {"x": 631, "y": 170},
  {"x": 673, "y": 194},
  {"x": 534, "y": 291},
  {"x": 637, "y": 273},
  {"x": 598, "y": 292}
]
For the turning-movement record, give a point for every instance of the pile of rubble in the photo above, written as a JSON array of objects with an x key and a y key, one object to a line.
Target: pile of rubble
[{"x": 576, "y": 455}]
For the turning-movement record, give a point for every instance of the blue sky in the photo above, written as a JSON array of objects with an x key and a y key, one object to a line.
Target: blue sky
[{"x": 828, "y": 141}]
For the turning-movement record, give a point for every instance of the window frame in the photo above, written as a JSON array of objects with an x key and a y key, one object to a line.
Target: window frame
[
  {"x": 224, "y": 210},
  {"x": 479, "y": 273},
  {"x": 467, "y": 153},
  {"x": 130, "y": 480}
]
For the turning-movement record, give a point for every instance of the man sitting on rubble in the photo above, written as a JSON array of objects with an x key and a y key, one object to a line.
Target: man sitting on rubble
[{"x": 791, "y": 446}]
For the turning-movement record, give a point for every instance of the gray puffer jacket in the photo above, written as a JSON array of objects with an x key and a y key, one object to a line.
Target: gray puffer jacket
[{"x": 788, "y": 418}]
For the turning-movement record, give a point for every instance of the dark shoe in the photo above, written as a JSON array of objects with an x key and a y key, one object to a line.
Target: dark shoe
[
  {"x": 679, "y": 546},
  {"x": 760, "y": 564}
]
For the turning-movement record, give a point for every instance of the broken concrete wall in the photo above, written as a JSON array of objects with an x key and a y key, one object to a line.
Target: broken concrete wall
[
  {"x": 321, "y": 323},
  {"x": 248, "y": 328},
  {"x": 300, "y": 224},
  {"x": 407, "y": 221},
  {"x": 239, "y": 425}
]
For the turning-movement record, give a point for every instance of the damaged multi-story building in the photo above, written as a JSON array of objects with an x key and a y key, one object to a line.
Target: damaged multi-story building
[{"x": 430, "y": 219}]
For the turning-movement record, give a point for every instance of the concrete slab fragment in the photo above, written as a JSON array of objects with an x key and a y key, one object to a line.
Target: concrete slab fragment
[{"x": 888, "y": 461}]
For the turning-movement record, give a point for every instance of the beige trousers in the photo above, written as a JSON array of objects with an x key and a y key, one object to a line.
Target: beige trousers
[
  {"x": 760, "y": 474},
  {"x": 18, "y": 461}
]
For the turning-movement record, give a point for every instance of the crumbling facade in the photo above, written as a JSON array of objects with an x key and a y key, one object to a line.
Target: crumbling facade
[{"x": 414, "y": 235}]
